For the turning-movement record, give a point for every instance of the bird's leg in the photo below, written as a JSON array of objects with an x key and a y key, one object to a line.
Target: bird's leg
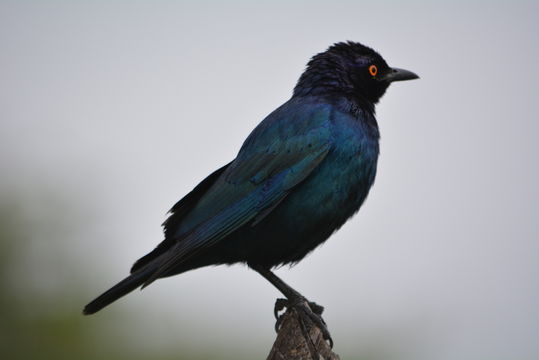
[{"x": 303, "y": 307}]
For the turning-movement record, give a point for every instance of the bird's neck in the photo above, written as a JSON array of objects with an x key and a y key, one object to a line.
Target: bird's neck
[
  {"x": 355, "y": 106},
  {"x": 332, "y": 90},
  {"x": 363, "y": 112}
]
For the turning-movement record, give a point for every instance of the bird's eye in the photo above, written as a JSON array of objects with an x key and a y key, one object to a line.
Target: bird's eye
[{"x": 373, "y": 70}]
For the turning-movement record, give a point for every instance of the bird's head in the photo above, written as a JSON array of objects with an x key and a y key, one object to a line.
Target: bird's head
[{"x": 352, "y": 70}]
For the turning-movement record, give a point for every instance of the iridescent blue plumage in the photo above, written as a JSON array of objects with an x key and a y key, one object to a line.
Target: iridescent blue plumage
[{"x": 301, "y": 173}]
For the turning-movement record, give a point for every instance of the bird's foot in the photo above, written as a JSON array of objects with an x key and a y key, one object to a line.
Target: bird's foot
[
  {"x": 305, "y": 310},
  {"x": 281, "y": 304}
]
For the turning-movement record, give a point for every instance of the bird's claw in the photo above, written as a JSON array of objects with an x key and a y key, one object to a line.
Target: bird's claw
[
  {"x": 304, "y": 309},
  {"x": 280, "y": 305}
]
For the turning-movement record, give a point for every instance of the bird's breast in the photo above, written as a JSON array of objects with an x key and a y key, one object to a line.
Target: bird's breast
[{"x": 319, "y": 205}]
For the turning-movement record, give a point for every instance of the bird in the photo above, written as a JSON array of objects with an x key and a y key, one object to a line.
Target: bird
[{"x": 298, "y": 177}]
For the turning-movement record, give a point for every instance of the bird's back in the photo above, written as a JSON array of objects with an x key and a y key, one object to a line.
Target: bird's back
[
  {"x": 314, "y": 208},
  {"x": 323, "y": 202}
]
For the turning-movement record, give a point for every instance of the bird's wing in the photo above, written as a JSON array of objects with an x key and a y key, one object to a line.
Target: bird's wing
[
  {"x": 178, "y": 213},
  {"x": 280, "y": 153}
]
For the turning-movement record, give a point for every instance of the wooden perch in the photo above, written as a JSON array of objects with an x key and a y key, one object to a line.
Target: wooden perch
[{"x": 292, "y": 343}]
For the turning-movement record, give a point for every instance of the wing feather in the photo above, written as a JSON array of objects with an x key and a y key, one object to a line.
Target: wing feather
[{"x": 270, "y": 164}]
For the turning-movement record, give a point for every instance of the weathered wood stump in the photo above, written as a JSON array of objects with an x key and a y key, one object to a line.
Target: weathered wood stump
[{"x": 292, "y": 342}]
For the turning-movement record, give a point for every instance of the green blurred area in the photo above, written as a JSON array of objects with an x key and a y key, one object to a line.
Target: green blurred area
[{"x": 40, "y": 317}]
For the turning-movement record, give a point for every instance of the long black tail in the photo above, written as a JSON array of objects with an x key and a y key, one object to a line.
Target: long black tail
[{"x": 124, "y": 287}]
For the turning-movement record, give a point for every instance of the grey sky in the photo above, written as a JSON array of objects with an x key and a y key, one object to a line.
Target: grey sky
[{"x": 121, "y": 107}]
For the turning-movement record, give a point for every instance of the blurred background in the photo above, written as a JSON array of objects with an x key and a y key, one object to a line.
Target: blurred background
[{"x": 111, "y": 111}]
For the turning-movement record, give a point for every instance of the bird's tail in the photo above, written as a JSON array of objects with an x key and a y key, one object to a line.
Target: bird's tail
[{"x": 124, "y": 287}]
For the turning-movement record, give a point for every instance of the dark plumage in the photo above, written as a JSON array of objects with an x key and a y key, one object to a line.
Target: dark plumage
[{"x": 302, "y": 172}]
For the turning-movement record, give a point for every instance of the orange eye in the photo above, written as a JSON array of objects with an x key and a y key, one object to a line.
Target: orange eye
[{"x": 373, "y": 70}]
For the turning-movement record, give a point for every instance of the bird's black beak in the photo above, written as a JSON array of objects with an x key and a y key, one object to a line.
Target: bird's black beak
[{"x": 396, "y": 74}]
